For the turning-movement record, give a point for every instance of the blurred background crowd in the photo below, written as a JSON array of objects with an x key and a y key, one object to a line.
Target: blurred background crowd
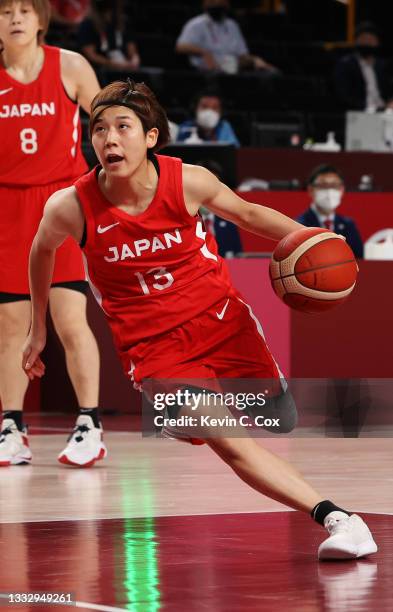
[
  {"x": 293, "y": 63},
  {"x": 262, "y": 74}
]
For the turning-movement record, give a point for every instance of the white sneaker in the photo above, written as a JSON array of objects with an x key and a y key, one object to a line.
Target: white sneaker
[
  {"x": 350, "y": 538},
  {"x": 14, "y": 445},
  {"x": 85, "y": 444}
]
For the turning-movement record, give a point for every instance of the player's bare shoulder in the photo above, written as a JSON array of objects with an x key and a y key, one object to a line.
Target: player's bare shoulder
[
  {"x": 63, "y": 212},
  {"x": 78, "y": 77},
  {"x": 199, "y": 186},
  {"x": 193, "y": 174},
  {"x": 71, "y": 62}
]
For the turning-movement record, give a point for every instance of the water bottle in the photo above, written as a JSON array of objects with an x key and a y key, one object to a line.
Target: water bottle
[
  {"x": 193, "y": 138},
  {"x": 366, "y": 183},
  {"x": 331, "y": 142}
]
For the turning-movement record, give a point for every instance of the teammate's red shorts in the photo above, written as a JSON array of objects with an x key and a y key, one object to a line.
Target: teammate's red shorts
[
  {"x": 225, "y": 341},
  {"x": 20, "y": 214}
]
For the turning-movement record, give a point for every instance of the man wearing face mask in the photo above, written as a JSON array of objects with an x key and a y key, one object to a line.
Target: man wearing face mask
[
  {"x": 214, "y": 42},
  {"x": 208, "y": 122},
  {"x": 326, "y": 188},
  {"x": 361, "y": 79}
]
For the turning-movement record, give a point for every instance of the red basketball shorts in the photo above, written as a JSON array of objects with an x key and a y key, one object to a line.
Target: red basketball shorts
[
  {"x": 225, "y": 341},
  {"x": 20, "y": 214}
]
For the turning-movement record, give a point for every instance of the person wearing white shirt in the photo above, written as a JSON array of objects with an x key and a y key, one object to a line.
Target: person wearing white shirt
[{"x": 214, "y": 42}]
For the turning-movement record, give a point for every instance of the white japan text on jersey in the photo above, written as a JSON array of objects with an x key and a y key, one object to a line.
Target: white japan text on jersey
[
  {"x": 40, "y": 128},
  {"x": 154, "y": 271}
]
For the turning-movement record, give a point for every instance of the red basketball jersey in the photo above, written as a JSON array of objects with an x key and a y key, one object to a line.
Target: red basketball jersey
[
  {"x": 150, "y": 272},
  {"x": 40, "y": 128}
]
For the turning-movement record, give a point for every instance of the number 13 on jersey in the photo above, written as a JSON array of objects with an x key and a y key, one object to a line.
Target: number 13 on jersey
[{"x": 163, "y": 279}]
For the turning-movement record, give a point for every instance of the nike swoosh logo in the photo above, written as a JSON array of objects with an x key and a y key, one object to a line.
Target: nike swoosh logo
[
  {"x": 220, "y": 315},
  {"x": 4, "y": 91},
  {"x": 102, "y": 230}
]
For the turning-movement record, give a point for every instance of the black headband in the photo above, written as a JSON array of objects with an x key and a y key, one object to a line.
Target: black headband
[
  {"x": 114, "y": 102},
  {"x": 118, "y": 101}
]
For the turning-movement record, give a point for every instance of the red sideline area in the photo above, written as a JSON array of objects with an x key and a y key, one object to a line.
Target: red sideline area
[
  {"x": 354, "y": 340},
  {"x": 371, "y": 211}
]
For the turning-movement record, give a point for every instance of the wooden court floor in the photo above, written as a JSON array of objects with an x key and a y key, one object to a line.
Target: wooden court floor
[{"x": 162, "y": 525}]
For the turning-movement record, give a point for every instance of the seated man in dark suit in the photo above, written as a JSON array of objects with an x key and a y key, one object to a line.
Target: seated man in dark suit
[
  {"x": 326, "y": 188},
  {"x": 226, "y": 233},
  {"x": 362, "y": 79}
]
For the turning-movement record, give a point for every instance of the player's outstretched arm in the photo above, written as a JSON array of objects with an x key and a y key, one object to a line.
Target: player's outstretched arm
[
  {"x": 62, "y": 218},
  {"x": 201, "y": 187}
]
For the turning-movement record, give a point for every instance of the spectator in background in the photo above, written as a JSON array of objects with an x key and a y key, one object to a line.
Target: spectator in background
[
  {"x": 106, "y": 40},
  {"x": 66, "y": 17},
  {"x": 361, "y": 79},
  {"x": 69, "y": 13},
  {"x": 208, "y": 122},
  {"x": 173, "y": 131},
  {"x": 226, "y": 233},
  {"x": 214, "y": 42},
  {"x": 326, "y": 189}
]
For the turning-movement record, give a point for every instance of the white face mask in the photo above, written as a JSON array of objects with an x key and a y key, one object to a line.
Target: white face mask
[
  {"x": 207, "y": 118},
  {"x": 327, "y": 199}
]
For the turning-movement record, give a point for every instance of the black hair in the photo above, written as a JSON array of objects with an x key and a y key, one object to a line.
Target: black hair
[
  {"x": 323, "y": 169},
  {"x": 209, "y": 92},
  {"x": 139, "y": 98}
]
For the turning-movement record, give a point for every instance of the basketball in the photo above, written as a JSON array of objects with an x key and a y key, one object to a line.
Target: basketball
[{"x": 313, "y": 270}]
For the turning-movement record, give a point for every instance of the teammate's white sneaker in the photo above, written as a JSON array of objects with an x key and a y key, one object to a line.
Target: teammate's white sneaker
[
  {"x": 14, "y": 445},
  {"x": 350, "y": 538},
  {"x": 85, "y": 444}
]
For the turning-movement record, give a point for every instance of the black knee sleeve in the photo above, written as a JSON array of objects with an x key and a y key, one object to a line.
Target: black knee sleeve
[{"x": 282, "y": 408}]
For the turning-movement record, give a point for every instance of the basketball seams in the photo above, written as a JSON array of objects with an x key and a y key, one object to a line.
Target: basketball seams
[
  {"x": 317, "y": 274},
  {"x": 287, "y": 265},
  {"x": 309, "y": 305},
  {"x": 319, "y": 268},
  {"x": 290, "y": 243},
  {"x": 292, "y": 285},
  {"x": 274, "y": 269},
  {"x": 279, "y": 287}
]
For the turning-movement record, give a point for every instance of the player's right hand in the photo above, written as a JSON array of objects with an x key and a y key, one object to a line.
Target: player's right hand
[{"x": 31, "y": 362}]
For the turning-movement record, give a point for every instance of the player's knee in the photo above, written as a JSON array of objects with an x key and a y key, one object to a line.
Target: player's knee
[
  {"x": 70, "y": 334},
  {"x": 12, "y": 327},
  {"x": 279, "y": 414},
  {"x": 281, "y": 408}
]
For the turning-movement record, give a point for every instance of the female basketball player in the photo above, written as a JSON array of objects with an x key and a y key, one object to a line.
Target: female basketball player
[
  {"x": 41, "y": 88},
  {"x": 170, "y": 305}
]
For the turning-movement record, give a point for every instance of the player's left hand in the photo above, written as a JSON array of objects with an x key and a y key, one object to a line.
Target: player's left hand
[{"x": 31, "y": 362}]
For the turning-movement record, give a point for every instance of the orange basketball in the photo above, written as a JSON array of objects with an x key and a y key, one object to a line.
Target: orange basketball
[{"x": 313, "y": 270}]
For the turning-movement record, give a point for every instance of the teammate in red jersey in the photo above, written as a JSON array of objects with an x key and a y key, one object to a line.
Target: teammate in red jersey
[
  {"x": 41, "y": 89},
  {"x": 170, "y": 304}
]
